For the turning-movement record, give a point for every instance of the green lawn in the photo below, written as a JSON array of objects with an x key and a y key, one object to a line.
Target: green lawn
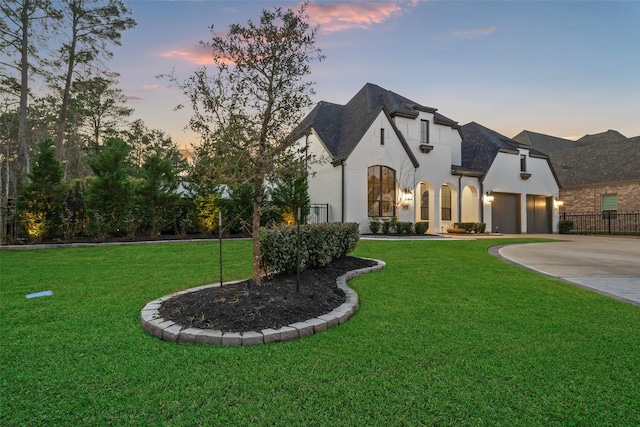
[{"x": 445, "y": 335}]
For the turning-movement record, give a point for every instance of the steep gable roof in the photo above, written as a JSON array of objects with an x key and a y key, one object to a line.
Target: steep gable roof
[
  {"x": 597, "y": 163},
  {"x": 481, "y": 145},
  {"x": 341, "y": 127},
  {"x": 545, "y": 143}
]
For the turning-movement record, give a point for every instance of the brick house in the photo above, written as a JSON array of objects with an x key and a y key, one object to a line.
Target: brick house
[{"x": 598, "y": 174}]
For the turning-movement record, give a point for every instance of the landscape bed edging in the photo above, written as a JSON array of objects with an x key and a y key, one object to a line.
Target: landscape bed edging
[{"x": 167, "y": 330}]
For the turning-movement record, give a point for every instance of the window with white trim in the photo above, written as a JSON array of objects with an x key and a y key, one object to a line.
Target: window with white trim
[{"x": 609, "y": 206}]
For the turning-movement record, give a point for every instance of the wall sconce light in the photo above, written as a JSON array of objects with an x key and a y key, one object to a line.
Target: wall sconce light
[
  {"x": 407, "y": 196},
  {"x": 557, "y": 202},
  {"x": 488, "y": 197}
]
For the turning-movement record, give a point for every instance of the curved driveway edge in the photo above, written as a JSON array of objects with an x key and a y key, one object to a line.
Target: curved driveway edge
[
  {"x": 167, "y": 330},
  {"x": 607, "y": 265}
]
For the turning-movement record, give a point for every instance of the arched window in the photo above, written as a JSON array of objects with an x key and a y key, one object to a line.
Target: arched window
[
  {"x": 424, "y": 202},
  {"x": 381, "y": 190},
  {"x": 446, "y": 203}
]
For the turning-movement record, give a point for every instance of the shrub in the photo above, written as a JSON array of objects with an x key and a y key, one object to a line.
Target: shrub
[
  {"x": 404, "y": 227},
  {"x": 421, "y": 227},
  {"x": 206, "y": 211},
  {"x": 374, "y": 226},
  {"x": 319, "y": 245},
  {"x": 471, "y": 227},
  {"x": 565, "y": 226},
  {"x": 386, "y": 225},
  {"x": 455, "y": 230}
]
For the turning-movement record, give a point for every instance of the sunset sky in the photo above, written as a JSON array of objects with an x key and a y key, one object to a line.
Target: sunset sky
[{"x": 564, "y": 68}]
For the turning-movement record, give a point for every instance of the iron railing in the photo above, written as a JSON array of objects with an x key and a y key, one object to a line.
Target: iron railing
[
  {"x": 318, "y": 213},
  {"x": 606, "y": 222}
]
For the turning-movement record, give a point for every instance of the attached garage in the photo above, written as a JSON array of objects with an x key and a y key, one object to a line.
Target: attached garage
[
  {"x": 505, "y": 213},
  {"x": 539, "y": 210}
]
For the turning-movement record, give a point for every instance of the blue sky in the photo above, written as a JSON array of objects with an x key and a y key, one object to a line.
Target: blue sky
[{"x": 564, "y": 68}]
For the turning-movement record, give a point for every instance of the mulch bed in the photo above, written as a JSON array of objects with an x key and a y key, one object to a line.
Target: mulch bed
[{"x": 242, "y": 307}]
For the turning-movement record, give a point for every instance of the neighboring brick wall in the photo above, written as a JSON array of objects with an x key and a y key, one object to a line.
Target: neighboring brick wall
[{"x": 588, "y": 199}]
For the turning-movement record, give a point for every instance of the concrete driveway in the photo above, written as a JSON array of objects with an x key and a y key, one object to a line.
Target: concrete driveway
[{"x": 608, "y": 265}]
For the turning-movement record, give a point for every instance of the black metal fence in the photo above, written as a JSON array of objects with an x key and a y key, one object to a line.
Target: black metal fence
[
  {"x": 318, "y": 213},
  {"x": 608, "y": 222}
]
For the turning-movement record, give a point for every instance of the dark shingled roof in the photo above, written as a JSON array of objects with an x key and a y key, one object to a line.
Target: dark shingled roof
[
  {"x": 480, "y": 146},
  {"x": 596, "y": 163},
  {"x": 602, "y": 138},
  {"x": 545, "y": 143},
  {"x": 341, "y": 127}
]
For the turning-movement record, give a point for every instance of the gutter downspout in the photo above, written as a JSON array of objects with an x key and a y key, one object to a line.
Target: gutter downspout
[
  {"x": 343, "y": 190},
  {"x": 481, "y": 200},
  {"x": 459, "y": 198}
]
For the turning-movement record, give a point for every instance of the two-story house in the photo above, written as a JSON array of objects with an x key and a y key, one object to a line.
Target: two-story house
[{"x": 385, "y": 156}]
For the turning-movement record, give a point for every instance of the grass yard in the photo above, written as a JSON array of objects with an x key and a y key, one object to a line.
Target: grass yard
[{"x": 445, "y": 335}]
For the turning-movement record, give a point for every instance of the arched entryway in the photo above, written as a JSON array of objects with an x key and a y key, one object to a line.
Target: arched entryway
[{"x": 470, "y": 204}]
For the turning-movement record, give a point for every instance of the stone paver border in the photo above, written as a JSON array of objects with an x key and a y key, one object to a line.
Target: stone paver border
[{"x": 167, "y": 330}]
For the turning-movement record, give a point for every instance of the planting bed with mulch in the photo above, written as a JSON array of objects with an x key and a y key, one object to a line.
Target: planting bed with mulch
[{"x": 242, "y": 306}]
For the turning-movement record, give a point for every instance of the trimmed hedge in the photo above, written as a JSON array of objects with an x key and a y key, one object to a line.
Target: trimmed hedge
[
  {"x": 319, "y": 245},
  {"x": 469, "y": 227}
]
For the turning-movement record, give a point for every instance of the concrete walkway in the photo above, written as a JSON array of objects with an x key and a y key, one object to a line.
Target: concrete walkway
[{"x": 608, "y": 265}]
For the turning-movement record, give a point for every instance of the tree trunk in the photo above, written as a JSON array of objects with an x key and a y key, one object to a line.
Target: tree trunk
[
  {"x": 23, "y": 147},
  {"x": 62, "y": 115},
  {"x": 255, "y": 234}
]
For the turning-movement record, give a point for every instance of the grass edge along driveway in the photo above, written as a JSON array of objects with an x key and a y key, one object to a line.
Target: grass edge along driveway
[{"x": 446, "y": 335}]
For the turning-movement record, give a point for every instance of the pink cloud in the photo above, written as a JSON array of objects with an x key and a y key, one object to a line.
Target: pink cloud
[
  {"x": 194, "y": 56},
  {"x": 335, "y": 17}
]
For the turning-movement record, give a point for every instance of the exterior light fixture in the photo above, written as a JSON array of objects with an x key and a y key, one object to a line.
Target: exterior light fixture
[
  {"x": 488, "y": 197},
  {"x": 407, "y": 196},
  {"x": 557, "y": 202}
]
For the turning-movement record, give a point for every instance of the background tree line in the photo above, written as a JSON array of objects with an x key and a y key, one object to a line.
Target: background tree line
[{"x": 72, "y": 164}]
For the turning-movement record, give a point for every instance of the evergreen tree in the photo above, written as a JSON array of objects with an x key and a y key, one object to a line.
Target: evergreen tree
[
  {"x": 109, "y": 195},
  {"x": 40, "y": 201}
]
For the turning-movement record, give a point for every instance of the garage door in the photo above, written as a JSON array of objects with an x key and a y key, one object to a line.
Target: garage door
[
  {"x": 505, "y": 213},
  {"x": 538, "y": 214}
]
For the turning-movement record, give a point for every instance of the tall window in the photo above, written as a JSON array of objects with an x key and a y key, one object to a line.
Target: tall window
[
  {"x": 424, "y": 131},
  {"x": 424, "y": 203},
  {"x": 609, "y": 206},
  {"x": 381, "y": 136},
  {"x": 446, "y": 203},
  {"x": 523, "y": 162},
  {"x": 381, "y": 190}
]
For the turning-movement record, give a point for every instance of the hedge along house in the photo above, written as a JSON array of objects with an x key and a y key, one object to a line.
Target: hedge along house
[{"x": 384, "y": 156}]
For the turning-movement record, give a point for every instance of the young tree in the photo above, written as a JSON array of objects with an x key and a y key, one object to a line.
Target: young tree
[
  {"x": 92, "y": 25},
  {"x": 246, "y": 111},
  {"x": 109, "y": 193},
  {"x": 157, "y": 195},
  {"x": 40, "y": 201},
  {"x": 290, "y": 193}
]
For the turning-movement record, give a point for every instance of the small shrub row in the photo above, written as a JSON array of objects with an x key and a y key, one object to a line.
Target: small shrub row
[
  {"x": 319, "y": 245},
  {"x": 566, "y": 226},
  {"x": 469, "y": 227},
  {"x": 398, "y": 227}
]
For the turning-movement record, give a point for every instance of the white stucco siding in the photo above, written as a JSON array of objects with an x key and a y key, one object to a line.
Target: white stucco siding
[
  {"x": 504, "y": 176},
  {"x": 369, "y": 152},
  {"x": 325, "y": 180}
]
